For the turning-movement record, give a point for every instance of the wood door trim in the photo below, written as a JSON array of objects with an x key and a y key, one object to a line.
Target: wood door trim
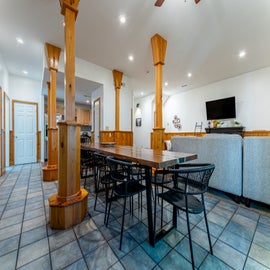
[
  {"x": 6, "y": 133},
  {"x": 5, "y": 96},
  {"x": 94, "y": 116}
]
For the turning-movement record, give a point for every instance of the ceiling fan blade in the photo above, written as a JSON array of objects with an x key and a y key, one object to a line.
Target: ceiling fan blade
[
  {"x": 159, "y": 3},
  {"x": 197, "y": 1}
]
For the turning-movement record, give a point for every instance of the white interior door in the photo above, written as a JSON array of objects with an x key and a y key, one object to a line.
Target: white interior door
[{"x": 25, "y": 129}]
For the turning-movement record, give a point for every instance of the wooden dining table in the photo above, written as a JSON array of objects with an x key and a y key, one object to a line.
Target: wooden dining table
[{"x": 149, "y": 158}]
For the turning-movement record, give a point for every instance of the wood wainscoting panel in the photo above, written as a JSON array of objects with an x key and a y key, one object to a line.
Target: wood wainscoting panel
[
  {"x": 39, "y": 146},
  {"x": 120, "y": 137},
  {"x": 11, "y": 147},
  {"x": 257, "y": 133},
  {"x": 3, "y": 151},
  {"x": 169, "y": 135},
  {"x": 107, "y": 136},
  {"x": 124, "y": 137},
  {"x": 1, "y": 157}
]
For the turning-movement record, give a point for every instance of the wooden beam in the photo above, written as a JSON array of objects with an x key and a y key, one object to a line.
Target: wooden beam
[
  {"x": 71, "y": 5},
  {"x": 50, "y": 171},
  {"x": 159, "y": 3},
  {"x": 117, "y": 76},
  {"x": 159, "y": 45},
  {"x": 69, "y": 100},
  {"x": 69, "y": 206},
  {"x": 52, "y": 56}
]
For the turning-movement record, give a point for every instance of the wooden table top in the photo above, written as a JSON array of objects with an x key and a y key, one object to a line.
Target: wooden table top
[{"x": 143, "y": 156}]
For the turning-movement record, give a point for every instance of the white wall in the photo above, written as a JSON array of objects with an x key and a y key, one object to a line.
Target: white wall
[
  {"x": 5, "y": 88},
  {"x": 3, "y": 76},
  {"x": 252, "y": 93},
  {"x": 126, "y": 105},
  {"x": 22, "y": 88},
  {"x": 145, "y": 112}
]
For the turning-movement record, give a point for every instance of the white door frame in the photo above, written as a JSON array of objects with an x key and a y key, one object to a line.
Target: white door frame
[{"x": 13, "y": 124}]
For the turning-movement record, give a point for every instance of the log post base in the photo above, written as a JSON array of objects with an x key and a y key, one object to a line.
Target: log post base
[
  {"x": 50, "y": 173},
  {"x": 66, "y": 214}
]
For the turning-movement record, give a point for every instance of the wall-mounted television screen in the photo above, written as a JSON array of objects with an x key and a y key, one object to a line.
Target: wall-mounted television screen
[{"x": 221, "y": 108}]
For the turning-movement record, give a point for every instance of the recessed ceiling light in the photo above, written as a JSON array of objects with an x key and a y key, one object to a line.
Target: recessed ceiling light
[
  {"x": 166, "y": 83},
  {"x": 63, "y": 23},
  {"x": 87, "y": 101},
  {"x": 19, "y": 40},
  {"x": 25, "y": 72},
  {"x": 131, "y": 58},
  {"x": 122, "y": 19},
  {"x": 242, "y": 54},
  {"x": 141, "y": 93},
  {"x": 189, "y": 74}
]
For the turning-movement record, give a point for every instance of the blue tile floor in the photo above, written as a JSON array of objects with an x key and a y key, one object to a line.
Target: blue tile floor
[{"x": 240, "y": 235}]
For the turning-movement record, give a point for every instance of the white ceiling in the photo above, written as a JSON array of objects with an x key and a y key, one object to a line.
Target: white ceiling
[{"x": 204, "y": 39}]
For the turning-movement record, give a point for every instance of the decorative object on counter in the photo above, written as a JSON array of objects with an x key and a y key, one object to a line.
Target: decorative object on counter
[
  {"x": 217, "y": 123},
  {"x": 198, "y": 127},
  {"x": 108, "y": 143},
  {"x": 177, "y": 122}
]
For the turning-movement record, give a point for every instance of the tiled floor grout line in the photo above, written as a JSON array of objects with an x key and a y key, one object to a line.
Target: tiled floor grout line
[
  {"x": 47, "y": 221},
  {"x": 221, "y": 234},
  {"x": 6, "y": 177},
  {"x": 19, "y": 242},
  {"x": 118, "y": 260},
  {"x": 252, "y": 241},
  {"x": 208, "y": 251}
]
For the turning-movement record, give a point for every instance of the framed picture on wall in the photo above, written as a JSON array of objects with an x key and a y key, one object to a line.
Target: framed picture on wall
[{"x": 138, "y": 122}]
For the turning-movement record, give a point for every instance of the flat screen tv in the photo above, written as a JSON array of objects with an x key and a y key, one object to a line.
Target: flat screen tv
[{"x": 221, "y": 108}]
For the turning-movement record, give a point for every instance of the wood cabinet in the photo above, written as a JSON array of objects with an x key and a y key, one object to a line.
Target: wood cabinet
[
  {"x": 59, "y": 110},
  {"x": 83, "y": 116}
]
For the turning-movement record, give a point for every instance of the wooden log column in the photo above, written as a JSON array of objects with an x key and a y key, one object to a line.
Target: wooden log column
[
  {"x": 117, "y": 77},
  {"x": 159, "y": 45},
  {"x": 50, "y": 171},
  {"x": 68, "y": 207}
]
